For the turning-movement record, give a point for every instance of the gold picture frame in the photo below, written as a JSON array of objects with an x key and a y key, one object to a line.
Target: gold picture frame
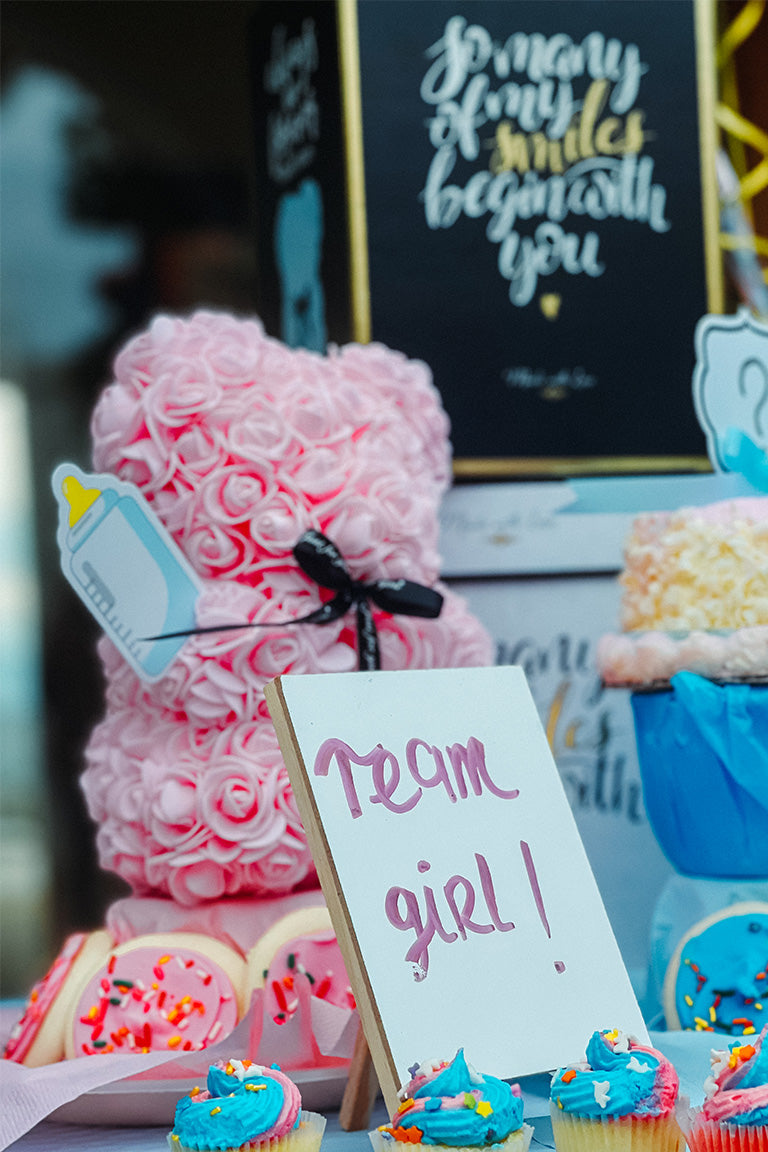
[{"x": 499, "y": 468}]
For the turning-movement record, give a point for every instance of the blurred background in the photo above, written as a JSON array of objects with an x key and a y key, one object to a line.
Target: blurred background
[{"x": 127, "y": 176}]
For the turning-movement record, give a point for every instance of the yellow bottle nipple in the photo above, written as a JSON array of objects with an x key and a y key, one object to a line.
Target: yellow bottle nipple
[{"x": 78, "y": 498}]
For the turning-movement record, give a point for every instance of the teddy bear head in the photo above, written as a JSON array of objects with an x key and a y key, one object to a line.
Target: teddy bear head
[{"x": 241, "y": 446}]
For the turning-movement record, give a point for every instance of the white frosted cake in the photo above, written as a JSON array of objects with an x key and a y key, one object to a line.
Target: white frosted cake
[{"x": 694, "y": 596}]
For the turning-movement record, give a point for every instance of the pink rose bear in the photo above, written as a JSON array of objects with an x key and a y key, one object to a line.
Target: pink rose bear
[{"x": 241, "y": 445}]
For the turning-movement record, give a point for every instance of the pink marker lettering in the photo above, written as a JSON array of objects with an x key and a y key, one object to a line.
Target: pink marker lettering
[
  {"x": 468, "y": 764},
  {"x": 385, "y": 788},
  {"x": 418, "y": 953},
  {"x": 533, "y": 880},
  {"x": 489, "y": 892},
  {"x": 472, "y": 758},
  {"x": 441, "y": 772},
  {"x": 344, "y": 755},
  {"x": 463, "y": 918},
  {"x": 335, "y": 749},
  {"x": 410, "y": 918}
]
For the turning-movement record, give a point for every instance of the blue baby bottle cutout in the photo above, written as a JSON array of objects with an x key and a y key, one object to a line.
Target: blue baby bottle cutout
[{"x": 125, "y": 567}]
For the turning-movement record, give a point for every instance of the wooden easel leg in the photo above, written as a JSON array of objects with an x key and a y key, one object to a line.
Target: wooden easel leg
[{"x": 360, "y": 1092}]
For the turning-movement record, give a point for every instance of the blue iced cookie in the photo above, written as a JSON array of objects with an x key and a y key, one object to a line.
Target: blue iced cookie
[{"x": 717, "y": 979}]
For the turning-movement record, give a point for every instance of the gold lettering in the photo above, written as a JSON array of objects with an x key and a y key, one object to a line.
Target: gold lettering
[
  {"x": 605, "y": 134},
  {"x": 511, "y": 151},
  {"x": 546, "y": 153},
  {"x": 586, "y": 136},
  {"x": 571, "y": 733},
  {"x": 610, "y": 142},
  {"x": 540, "y": 151},
  {"x": 571, "y": 144},
  {"x": 593, "y": 106},
  {"x": 555, "y": 709},
  {"x": 635, "y": 135},
  {"x": 554, "y": 718}
]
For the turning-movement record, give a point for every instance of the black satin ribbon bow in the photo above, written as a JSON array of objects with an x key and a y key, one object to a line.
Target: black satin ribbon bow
[{"x": 321, "y": 560}]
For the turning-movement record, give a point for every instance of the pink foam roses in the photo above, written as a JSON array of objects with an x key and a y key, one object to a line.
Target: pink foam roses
[{"x": 241, "y": 445}]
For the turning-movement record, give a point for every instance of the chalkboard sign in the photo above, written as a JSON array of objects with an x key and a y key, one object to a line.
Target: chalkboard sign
[
  {"x": 304, "y": 253},
  {"x": 527, "y": 213},
  {"x": 458, "y": 886}
]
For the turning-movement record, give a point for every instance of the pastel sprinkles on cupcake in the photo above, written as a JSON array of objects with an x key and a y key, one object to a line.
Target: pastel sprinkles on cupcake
[
  {"x": 245, "y": 1106},
  {"x": 449, "y": 1103}
]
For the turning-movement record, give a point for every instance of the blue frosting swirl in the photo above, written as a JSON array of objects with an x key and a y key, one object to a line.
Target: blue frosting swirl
[
  {"x": 459, "y": 1106},
  {"x": 754, "y": 1072},
  {"x": 233, "y": 1114},
  {"x": 614, "y": 1083}
]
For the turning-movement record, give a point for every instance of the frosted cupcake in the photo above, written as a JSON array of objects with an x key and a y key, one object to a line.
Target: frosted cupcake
[
  {"x": 734, "y": 1117},
  {"x": 452, "y": 1105},
  {"x": 622, "y": 1096},
  {"x": 245, "y": 1108}
]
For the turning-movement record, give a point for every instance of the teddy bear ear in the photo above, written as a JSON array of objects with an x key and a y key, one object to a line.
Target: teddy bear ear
[{"x": 406, "y": 387}]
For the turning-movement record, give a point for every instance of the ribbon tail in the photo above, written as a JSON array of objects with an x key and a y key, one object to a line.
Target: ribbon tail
[
  {"x": 368, "y": 658},
  {"x": 405, "y": 598},
  {"x": 203, "y": 631},
  {"x": 325, "y": 614}
]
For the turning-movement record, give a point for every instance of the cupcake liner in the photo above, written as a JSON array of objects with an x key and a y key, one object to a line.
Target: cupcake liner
[
  {"x": 710, "y": 1136},
  {"x": 619, "y": 1134},
  {"x": 305, "y": 1138},
  {"x": 518, "y": 1141}
]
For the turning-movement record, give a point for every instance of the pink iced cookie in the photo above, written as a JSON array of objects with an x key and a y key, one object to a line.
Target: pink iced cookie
[
  {"x": 303, "y": 942},
  {"x": 177, "y": 991},
  {"x": 38, "y": 1037}
]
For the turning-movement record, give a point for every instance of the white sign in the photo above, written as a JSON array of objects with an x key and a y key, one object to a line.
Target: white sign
[
  {"x": 578, "y": 525},
  {"x": 520, "y": 527},
  {"x": 452, "y": 866}
]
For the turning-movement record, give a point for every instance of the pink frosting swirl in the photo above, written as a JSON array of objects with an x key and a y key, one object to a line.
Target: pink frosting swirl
[{"x": 737, "y": 1090}]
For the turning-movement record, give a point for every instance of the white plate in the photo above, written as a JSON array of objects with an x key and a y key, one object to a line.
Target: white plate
[{"x": 151, "y": 1103}]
